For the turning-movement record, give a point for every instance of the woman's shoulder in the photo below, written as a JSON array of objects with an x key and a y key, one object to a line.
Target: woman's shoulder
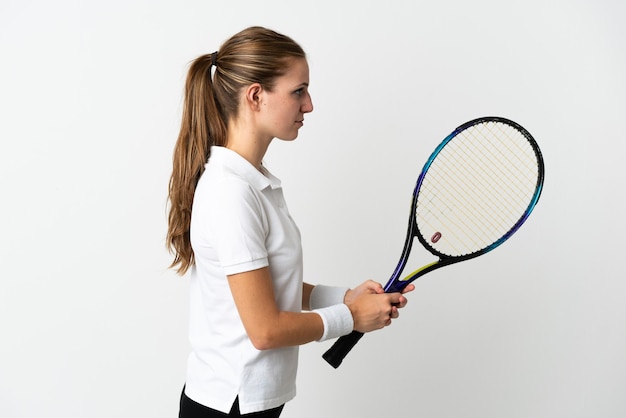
[
  {"x": 224, "y": 185},
  {"x": 229, "y": 172}
]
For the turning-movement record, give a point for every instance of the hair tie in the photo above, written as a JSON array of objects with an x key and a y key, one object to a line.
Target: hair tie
[{"x": 214, "y": 59}]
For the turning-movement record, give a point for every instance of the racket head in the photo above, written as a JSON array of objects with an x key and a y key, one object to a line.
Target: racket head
[
  {"x": 474, "y": 192},
  {"x": 477, "y": 188}
]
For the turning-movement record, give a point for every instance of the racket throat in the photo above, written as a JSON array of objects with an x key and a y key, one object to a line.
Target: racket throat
[{"x": 398, "y": 285}]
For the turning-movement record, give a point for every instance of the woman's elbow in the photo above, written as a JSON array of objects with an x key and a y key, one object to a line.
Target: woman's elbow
[{"x": 264, "y": 340}]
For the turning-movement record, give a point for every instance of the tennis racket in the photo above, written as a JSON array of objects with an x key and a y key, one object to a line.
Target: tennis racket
[{"x": 474, "y": 192}]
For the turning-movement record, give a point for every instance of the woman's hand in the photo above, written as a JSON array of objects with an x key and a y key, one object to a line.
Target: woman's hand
[
  {"x": 372, "y": 308},
  {"x": 367, "y": 287}
]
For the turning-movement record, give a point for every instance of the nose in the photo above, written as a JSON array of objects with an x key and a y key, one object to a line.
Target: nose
[{"x": 307, "y": 106}]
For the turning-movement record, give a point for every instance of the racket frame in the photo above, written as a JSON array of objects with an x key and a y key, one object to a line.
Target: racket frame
[{"x": 395, "y": 284}]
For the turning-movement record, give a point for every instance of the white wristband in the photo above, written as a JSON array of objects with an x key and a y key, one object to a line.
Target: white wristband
[
  {"x": 323, "y": 296},
  {"x": 337, "y": 321}
]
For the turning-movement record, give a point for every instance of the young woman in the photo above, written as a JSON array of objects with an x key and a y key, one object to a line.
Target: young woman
[{"x": 230, "y": 227}]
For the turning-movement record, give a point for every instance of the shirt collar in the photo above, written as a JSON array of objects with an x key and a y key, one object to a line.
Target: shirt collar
[{"x": 242, "y": 167}]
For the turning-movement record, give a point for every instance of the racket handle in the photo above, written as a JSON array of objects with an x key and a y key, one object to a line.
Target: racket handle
[{"x": 335, "y": 354}]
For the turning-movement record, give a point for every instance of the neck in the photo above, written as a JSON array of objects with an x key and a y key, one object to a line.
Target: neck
[{"x": 247, "y": 144}]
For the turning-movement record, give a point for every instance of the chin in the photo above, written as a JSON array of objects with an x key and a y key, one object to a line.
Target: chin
[{"x": 291, "y": 137}]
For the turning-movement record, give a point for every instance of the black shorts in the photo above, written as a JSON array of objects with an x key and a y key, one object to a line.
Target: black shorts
[{"x": 192, "y": 409}]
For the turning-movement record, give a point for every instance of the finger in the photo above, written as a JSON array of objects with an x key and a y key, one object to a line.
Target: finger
[
  {"x": 400, "y": 302},
  {"x": 408, "y": 288},
  {"x": 396, "y": 299},
  {"x": 376, "y": 287}
]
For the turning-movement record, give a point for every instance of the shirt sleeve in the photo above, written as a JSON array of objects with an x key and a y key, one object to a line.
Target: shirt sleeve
[{"x": 240, "y": 227}]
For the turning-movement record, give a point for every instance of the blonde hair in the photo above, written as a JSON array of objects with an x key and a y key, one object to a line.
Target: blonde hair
[{"x": 254, "y": 55}]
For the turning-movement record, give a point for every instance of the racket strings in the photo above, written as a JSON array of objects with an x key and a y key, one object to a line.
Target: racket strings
[
  {"x": 488, "y": 213},
  {"x": 512, "y": 150},
  {"x": 504, "y": 164},
  {"x": 476, "y": 189}
]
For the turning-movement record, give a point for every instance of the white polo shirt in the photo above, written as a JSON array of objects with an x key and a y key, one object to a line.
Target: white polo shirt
[{"x": 239, "y": 223}]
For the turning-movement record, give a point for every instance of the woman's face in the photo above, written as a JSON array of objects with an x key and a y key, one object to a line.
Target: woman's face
[{"x": 284, "y": 107}]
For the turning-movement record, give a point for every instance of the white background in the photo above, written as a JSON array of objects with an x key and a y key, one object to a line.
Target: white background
[{"x": 93, "y": 324}]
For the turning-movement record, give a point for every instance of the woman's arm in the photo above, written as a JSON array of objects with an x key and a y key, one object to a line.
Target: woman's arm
[{"x": 268, "y": 327}]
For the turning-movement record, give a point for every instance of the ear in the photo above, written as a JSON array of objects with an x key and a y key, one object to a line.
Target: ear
[{"x": 253, "y": 95}]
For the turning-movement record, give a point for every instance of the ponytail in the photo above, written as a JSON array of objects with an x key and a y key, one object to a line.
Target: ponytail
[{"x": 201, "y": 127}]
